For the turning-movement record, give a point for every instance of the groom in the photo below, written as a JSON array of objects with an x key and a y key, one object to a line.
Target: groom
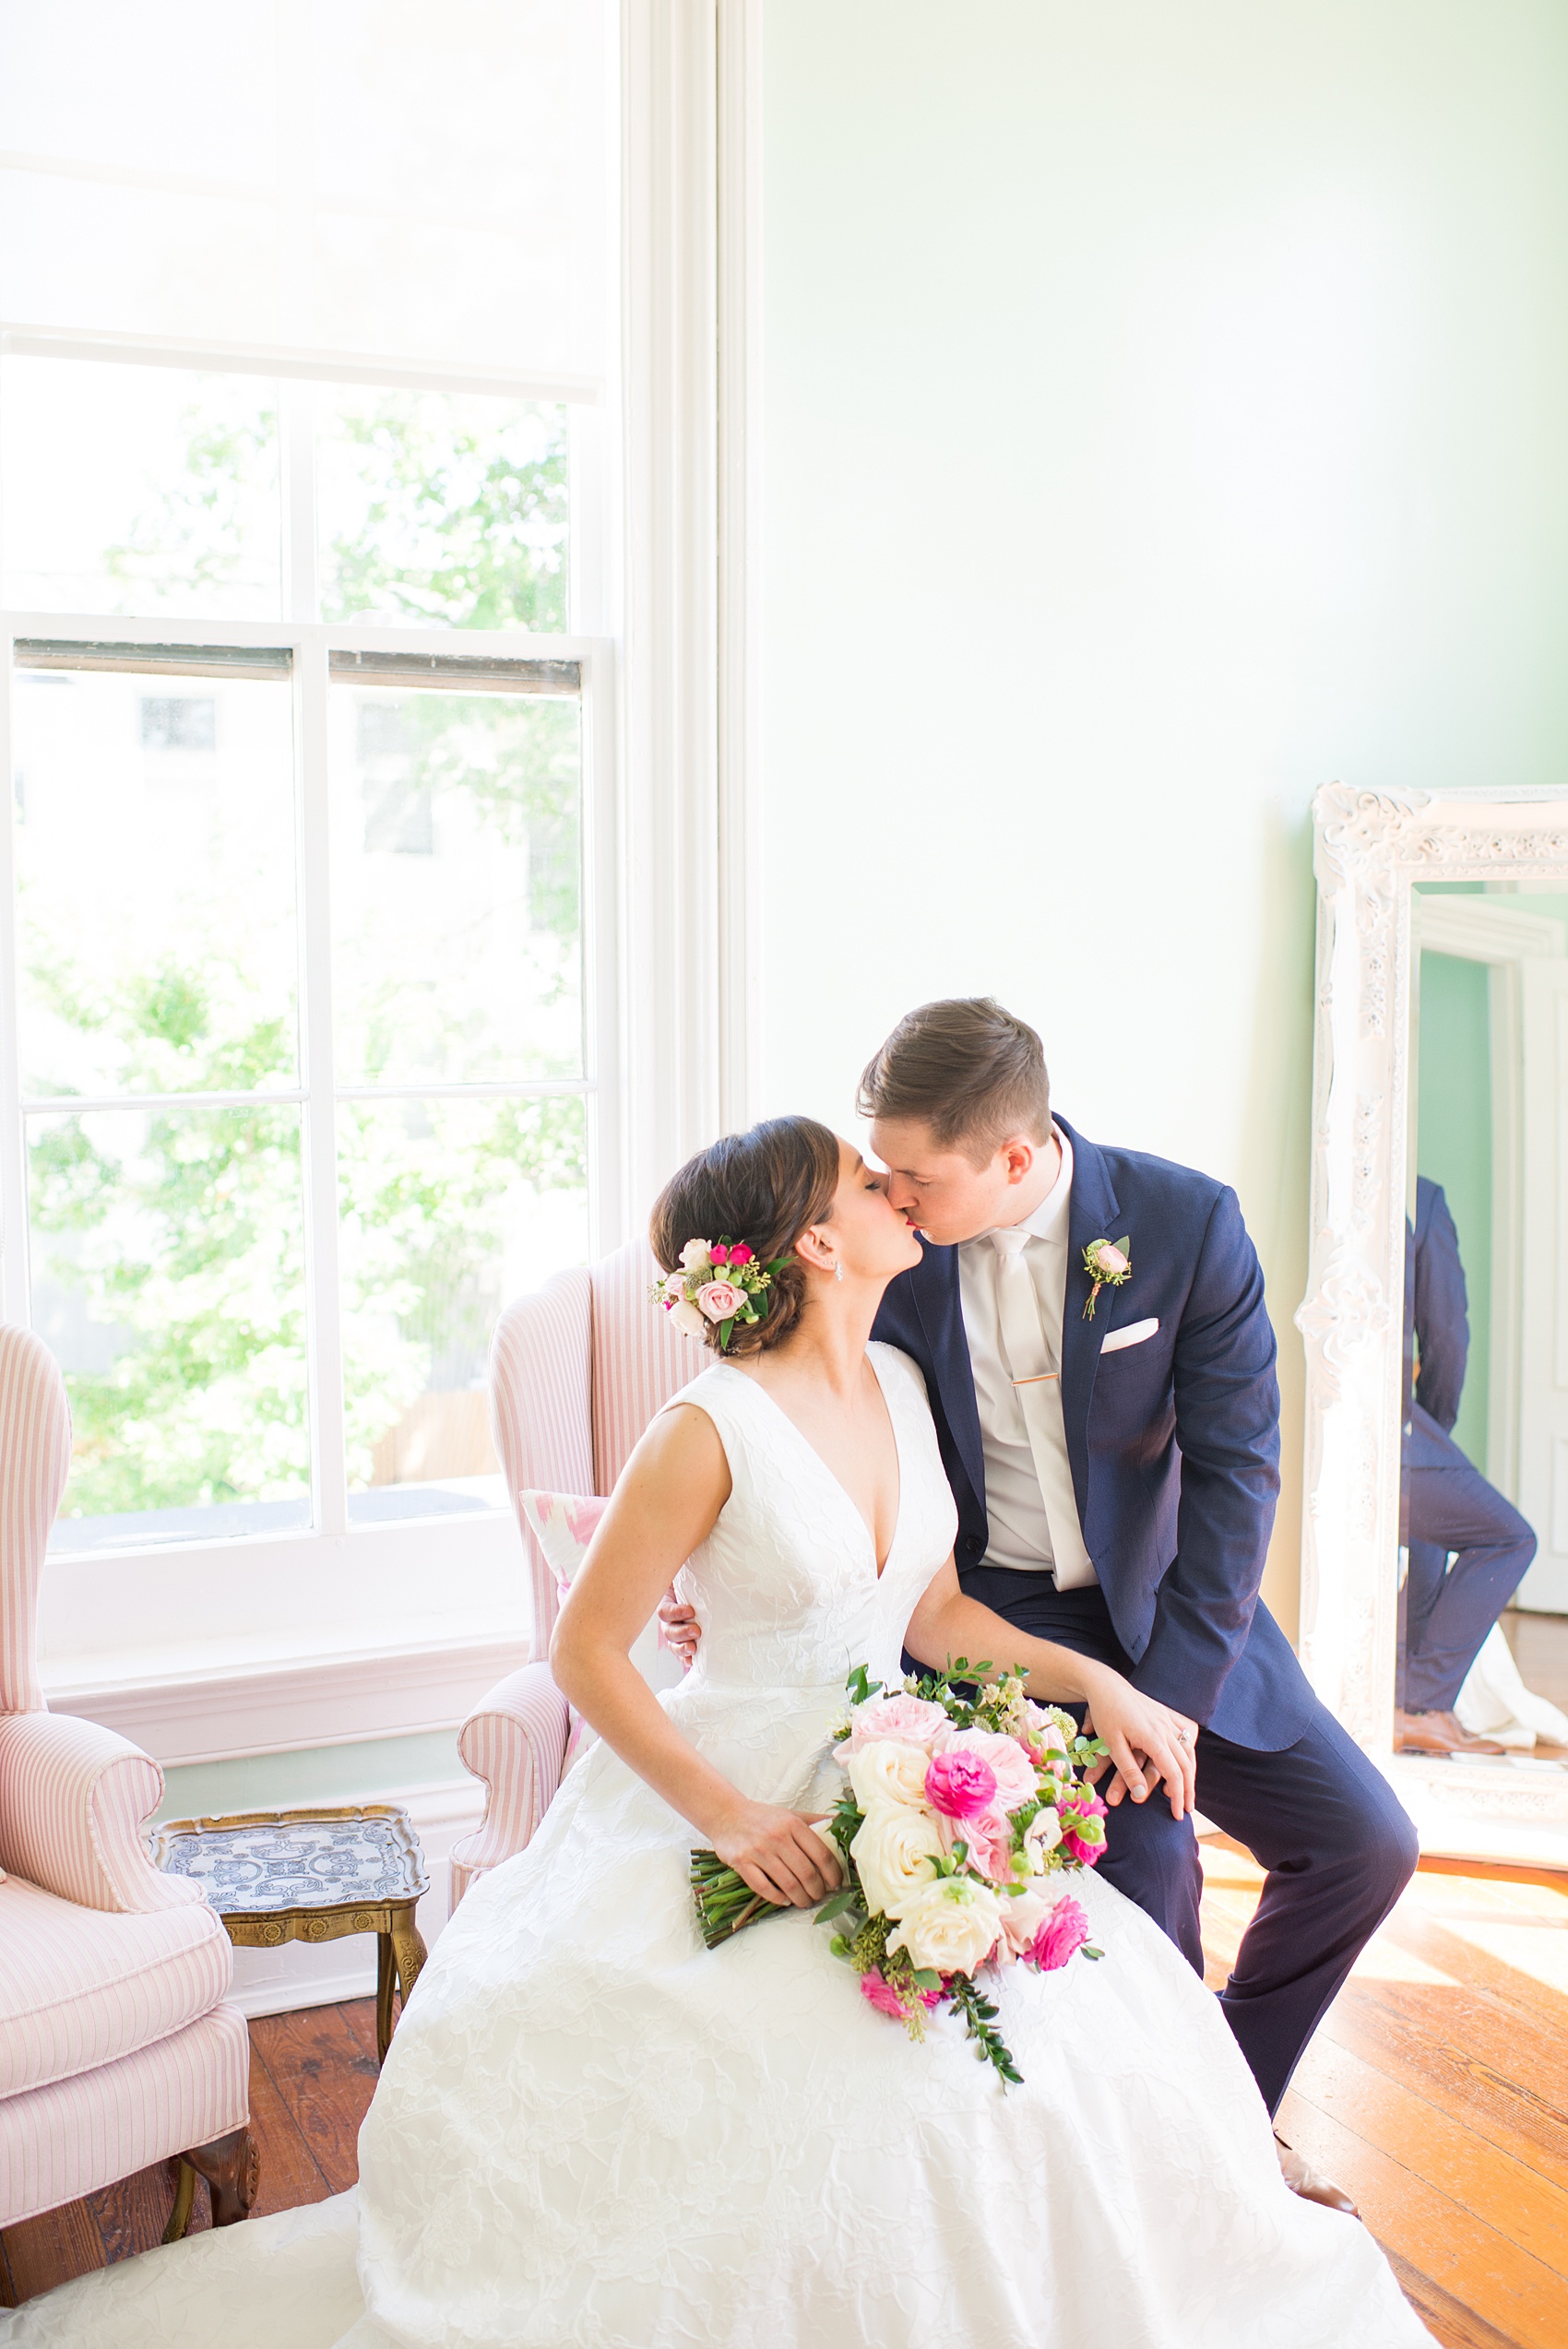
[{"x": 1114, "y": 1456}]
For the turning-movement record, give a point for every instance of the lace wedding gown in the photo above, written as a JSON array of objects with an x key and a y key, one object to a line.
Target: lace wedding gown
[{"x": 592, "y": 2131}]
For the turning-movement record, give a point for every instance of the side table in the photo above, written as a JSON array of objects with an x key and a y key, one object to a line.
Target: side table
[{"x": 277, "y": 1876}]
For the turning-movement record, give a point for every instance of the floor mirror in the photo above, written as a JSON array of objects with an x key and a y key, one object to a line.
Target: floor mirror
[{"x": 1436, "y": 1313}]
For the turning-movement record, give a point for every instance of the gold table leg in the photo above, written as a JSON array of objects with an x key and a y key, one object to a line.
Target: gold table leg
[{"x": 385, "y": 1969}]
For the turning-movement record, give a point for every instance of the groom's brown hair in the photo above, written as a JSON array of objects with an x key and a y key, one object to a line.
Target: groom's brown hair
[{"x": 967, "y": 1069}]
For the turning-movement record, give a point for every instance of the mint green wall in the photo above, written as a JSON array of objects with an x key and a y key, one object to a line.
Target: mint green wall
[
  {"x": 363, "y": 1772},
  {"x": 1454, "y": 1148},
  {"x": 1163, "y": 414}
]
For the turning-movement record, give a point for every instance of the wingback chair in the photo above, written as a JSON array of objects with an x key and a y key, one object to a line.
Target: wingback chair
[
  {"x": 116, "y": 2047},
  {"x": 577, "y": 1371}
]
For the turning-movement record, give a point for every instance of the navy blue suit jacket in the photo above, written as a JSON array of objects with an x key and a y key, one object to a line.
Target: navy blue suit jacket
[
  {"x": 1437, "y": 1316},
  {"x": 1174, "y": 1442}
]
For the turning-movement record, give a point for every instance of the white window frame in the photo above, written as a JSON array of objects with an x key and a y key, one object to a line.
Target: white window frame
[
  {"x": 266, "y": 1597},
  {"x": 333, "y": 1638}
]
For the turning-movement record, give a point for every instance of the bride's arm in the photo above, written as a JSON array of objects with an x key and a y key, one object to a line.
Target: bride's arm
[
  {"x": 1142, "y": 1735},
  {"x": 666, "y": 1502}
]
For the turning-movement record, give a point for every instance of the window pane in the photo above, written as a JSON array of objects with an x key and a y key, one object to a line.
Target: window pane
[
  {"x": 440, "y": 508},
  {"x": 168, "y": 1278},
  {"x": 449, "y": 1209},
  {"x": 155, "y": 853},
  {"x": 457, "y": 849},
  {"x": 141, "y": 490}
]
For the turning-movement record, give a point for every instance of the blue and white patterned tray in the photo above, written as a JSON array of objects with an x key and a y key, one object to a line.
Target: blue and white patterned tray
[{"x": 295, "y": 1859}]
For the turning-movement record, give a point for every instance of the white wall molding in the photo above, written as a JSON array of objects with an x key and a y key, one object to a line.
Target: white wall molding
[
  {"x": 670, "y": 774},
  {"x": 225, "y": 1713},
  {"x": 740, "y": 378}
]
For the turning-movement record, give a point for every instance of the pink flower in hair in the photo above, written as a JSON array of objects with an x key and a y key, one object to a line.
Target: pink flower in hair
[
  {"x": 741, "y": 1254},
  {"x": 717, "y": 1300},
  {"x": 719, "y": 1254},
  {"x": 960, "y": 1784}
]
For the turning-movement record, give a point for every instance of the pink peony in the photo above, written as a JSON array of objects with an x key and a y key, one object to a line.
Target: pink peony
[
  {"x": 1064, "y": 1931},
  {"x": 1014, "y": 1770},
  {"x": 908, "y": 1719},
  {"x": 718, "y": 1301},
  {"x": 988, "y": 1837},
  {"x": 741, "y": 1254},
  {"x": 959, "y": 1783},
  {"x": 1083, "y": 1833},
  {"x": 882, "y": 1994}
]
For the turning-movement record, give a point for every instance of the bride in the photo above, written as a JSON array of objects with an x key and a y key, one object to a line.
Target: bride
[{"x": 592, "y": 2130}]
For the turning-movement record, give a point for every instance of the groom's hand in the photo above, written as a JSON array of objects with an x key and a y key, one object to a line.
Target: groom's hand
[
  {"x": 681, "y": 1629},
  {"x": 1148, "y": 1744}
]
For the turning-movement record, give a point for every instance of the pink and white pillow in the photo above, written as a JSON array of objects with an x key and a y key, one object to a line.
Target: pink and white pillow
[{"x": 564, "y": 1524}]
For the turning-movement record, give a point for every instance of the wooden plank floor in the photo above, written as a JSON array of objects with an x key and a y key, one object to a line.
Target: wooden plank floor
[{"x": 1436, "y": 2091}]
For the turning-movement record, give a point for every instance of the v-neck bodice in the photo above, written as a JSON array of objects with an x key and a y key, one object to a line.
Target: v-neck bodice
[
  {"x": 785, "y": 1586},
  {"x": 879, "y": 1567}
]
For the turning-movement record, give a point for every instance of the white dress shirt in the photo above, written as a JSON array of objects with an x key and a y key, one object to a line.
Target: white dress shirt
[{"x": 1020, "y": 1533}]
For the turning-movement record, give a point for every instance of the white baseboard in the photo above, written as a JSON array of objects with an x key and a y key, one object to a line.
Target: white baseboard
[
  {"x": 289, "y": 1707},
  {"x": 280, "y": 1981}
]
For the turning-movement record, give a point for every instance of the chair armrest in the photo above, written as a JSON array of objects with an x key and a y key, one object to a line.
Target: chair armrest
[
  {"x": 516, "y": 1741},
  {"x": 73, "y": 1800}
]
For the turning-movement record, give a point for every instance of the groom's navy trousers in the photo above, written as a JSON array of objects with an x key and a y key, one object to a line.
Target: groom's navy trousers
[
  {"x": 1327, "y": 1827},
  {"x": 1174, "y": 1439}
]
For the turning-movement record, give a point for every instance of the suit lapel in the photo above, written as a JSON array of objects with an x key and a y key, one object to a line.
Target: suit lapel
[
  {"x": 1092, "y": 1214},
  {"x": 934, "y": 1284}
]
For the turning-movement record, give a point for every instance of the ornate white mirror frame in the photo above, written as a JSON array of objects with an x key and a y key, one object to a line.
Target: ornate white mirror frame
[{"x": 1370, "y": 848}]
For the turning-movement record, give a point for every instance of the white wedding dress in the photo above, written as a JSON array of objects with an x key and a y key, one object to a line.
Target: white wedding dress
[{"x": 593, "y": 2133}]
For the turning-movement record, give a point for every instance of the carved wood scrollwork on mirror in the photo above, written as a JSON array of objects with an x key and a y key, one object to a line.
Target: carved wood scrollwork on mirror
[{"x": 1465, "y": 1094}]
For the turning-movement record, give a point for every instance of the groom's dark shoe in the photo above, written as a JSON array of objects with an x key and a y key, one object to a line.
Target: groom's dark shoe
[{"x": 1311, "y": 2184}]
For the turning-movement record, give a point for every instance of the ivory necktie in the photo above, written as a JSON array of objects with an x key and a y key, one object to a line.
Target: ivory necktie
[{"x": 1035, "y": 1371}]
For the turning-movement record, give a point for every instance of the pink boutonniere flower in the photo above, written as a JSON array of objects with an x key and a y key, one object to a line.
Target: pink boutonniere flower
[{"x": 1107, "y": 1264}]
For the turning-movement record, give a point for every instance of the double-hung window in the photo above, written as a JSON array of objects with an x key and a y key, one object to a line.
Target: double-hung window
[{"x": 306, "y": 1044}]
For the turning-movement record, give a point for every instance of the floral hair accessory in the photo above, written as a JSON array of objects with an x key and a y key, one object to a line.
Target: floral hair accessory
[
  {"x": 719, "y": 1283},
  {"x": 1107, "y": 1264}
]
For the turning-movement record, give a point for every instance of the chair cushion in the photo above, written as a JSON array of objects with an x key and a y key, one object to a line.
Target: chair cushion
[
  {"x": 80, "y": 1986},
  {"x": 77, "y": 2135}
]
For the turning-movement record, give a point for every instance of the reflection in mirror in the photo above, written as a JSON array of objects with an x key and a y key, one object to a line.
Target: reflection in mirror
[{"x": 1483, "y": 1507}]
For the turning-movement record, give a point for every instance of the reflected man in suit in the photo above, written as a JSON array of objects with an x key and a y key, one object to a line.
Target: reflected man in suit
[{"x": 1445, "y": 1503}]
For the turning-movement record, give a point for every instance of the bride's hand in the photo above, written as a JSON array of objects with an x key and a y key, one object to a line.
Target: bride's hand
[
  {"x": 779, "y": 1854},
  {"x": 1148, "y": 1741}
]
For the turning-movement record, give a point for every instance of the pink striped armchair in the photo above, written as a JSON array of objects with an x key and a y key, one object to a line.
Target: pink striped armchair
[
  {"x": 116, "y": 2047},
  {"x": 577, "y": 1371}
]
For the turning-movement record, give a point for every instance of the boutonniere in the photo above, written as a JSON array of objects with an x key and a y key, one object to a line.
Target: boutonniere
[{"x": 1107, "y": 1264}]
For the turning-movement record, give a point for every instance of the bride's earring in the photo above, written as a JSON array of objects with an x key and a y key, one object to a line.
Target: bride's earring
[{"x": 837, "y": 1269}]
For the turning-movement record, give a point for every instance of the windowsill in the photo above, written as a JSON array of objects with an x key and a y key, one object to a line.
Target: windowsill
[{"x": 270, "y": 1646}]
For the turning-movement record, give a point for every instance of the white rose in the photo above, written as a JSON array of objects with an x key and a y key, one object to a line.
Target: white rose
[
  {"x": 1042, "y": 1834},
  {"x": 896, "y": 1851},
  {"x": 950, "y": 1925},
  {"x": 889, "y": 1771},
  {"x": 696, "y": 1252},
  {"x": 685, "y": 1317}
]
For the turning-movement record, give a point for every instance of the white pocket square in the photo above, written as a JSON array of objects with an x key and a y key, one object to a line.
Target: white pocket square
[{"x": 1133, "y": 1334}]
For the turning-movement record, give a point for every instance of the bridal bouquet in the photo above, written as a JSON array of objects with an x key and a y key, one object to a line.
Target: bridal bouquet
[{"x": 959, "y": 1812}]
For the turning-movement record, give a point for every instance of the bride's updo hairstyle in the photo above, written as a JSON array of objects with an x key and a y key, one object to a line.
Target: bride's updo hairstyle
[{"x": 765, "y": 1186}]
